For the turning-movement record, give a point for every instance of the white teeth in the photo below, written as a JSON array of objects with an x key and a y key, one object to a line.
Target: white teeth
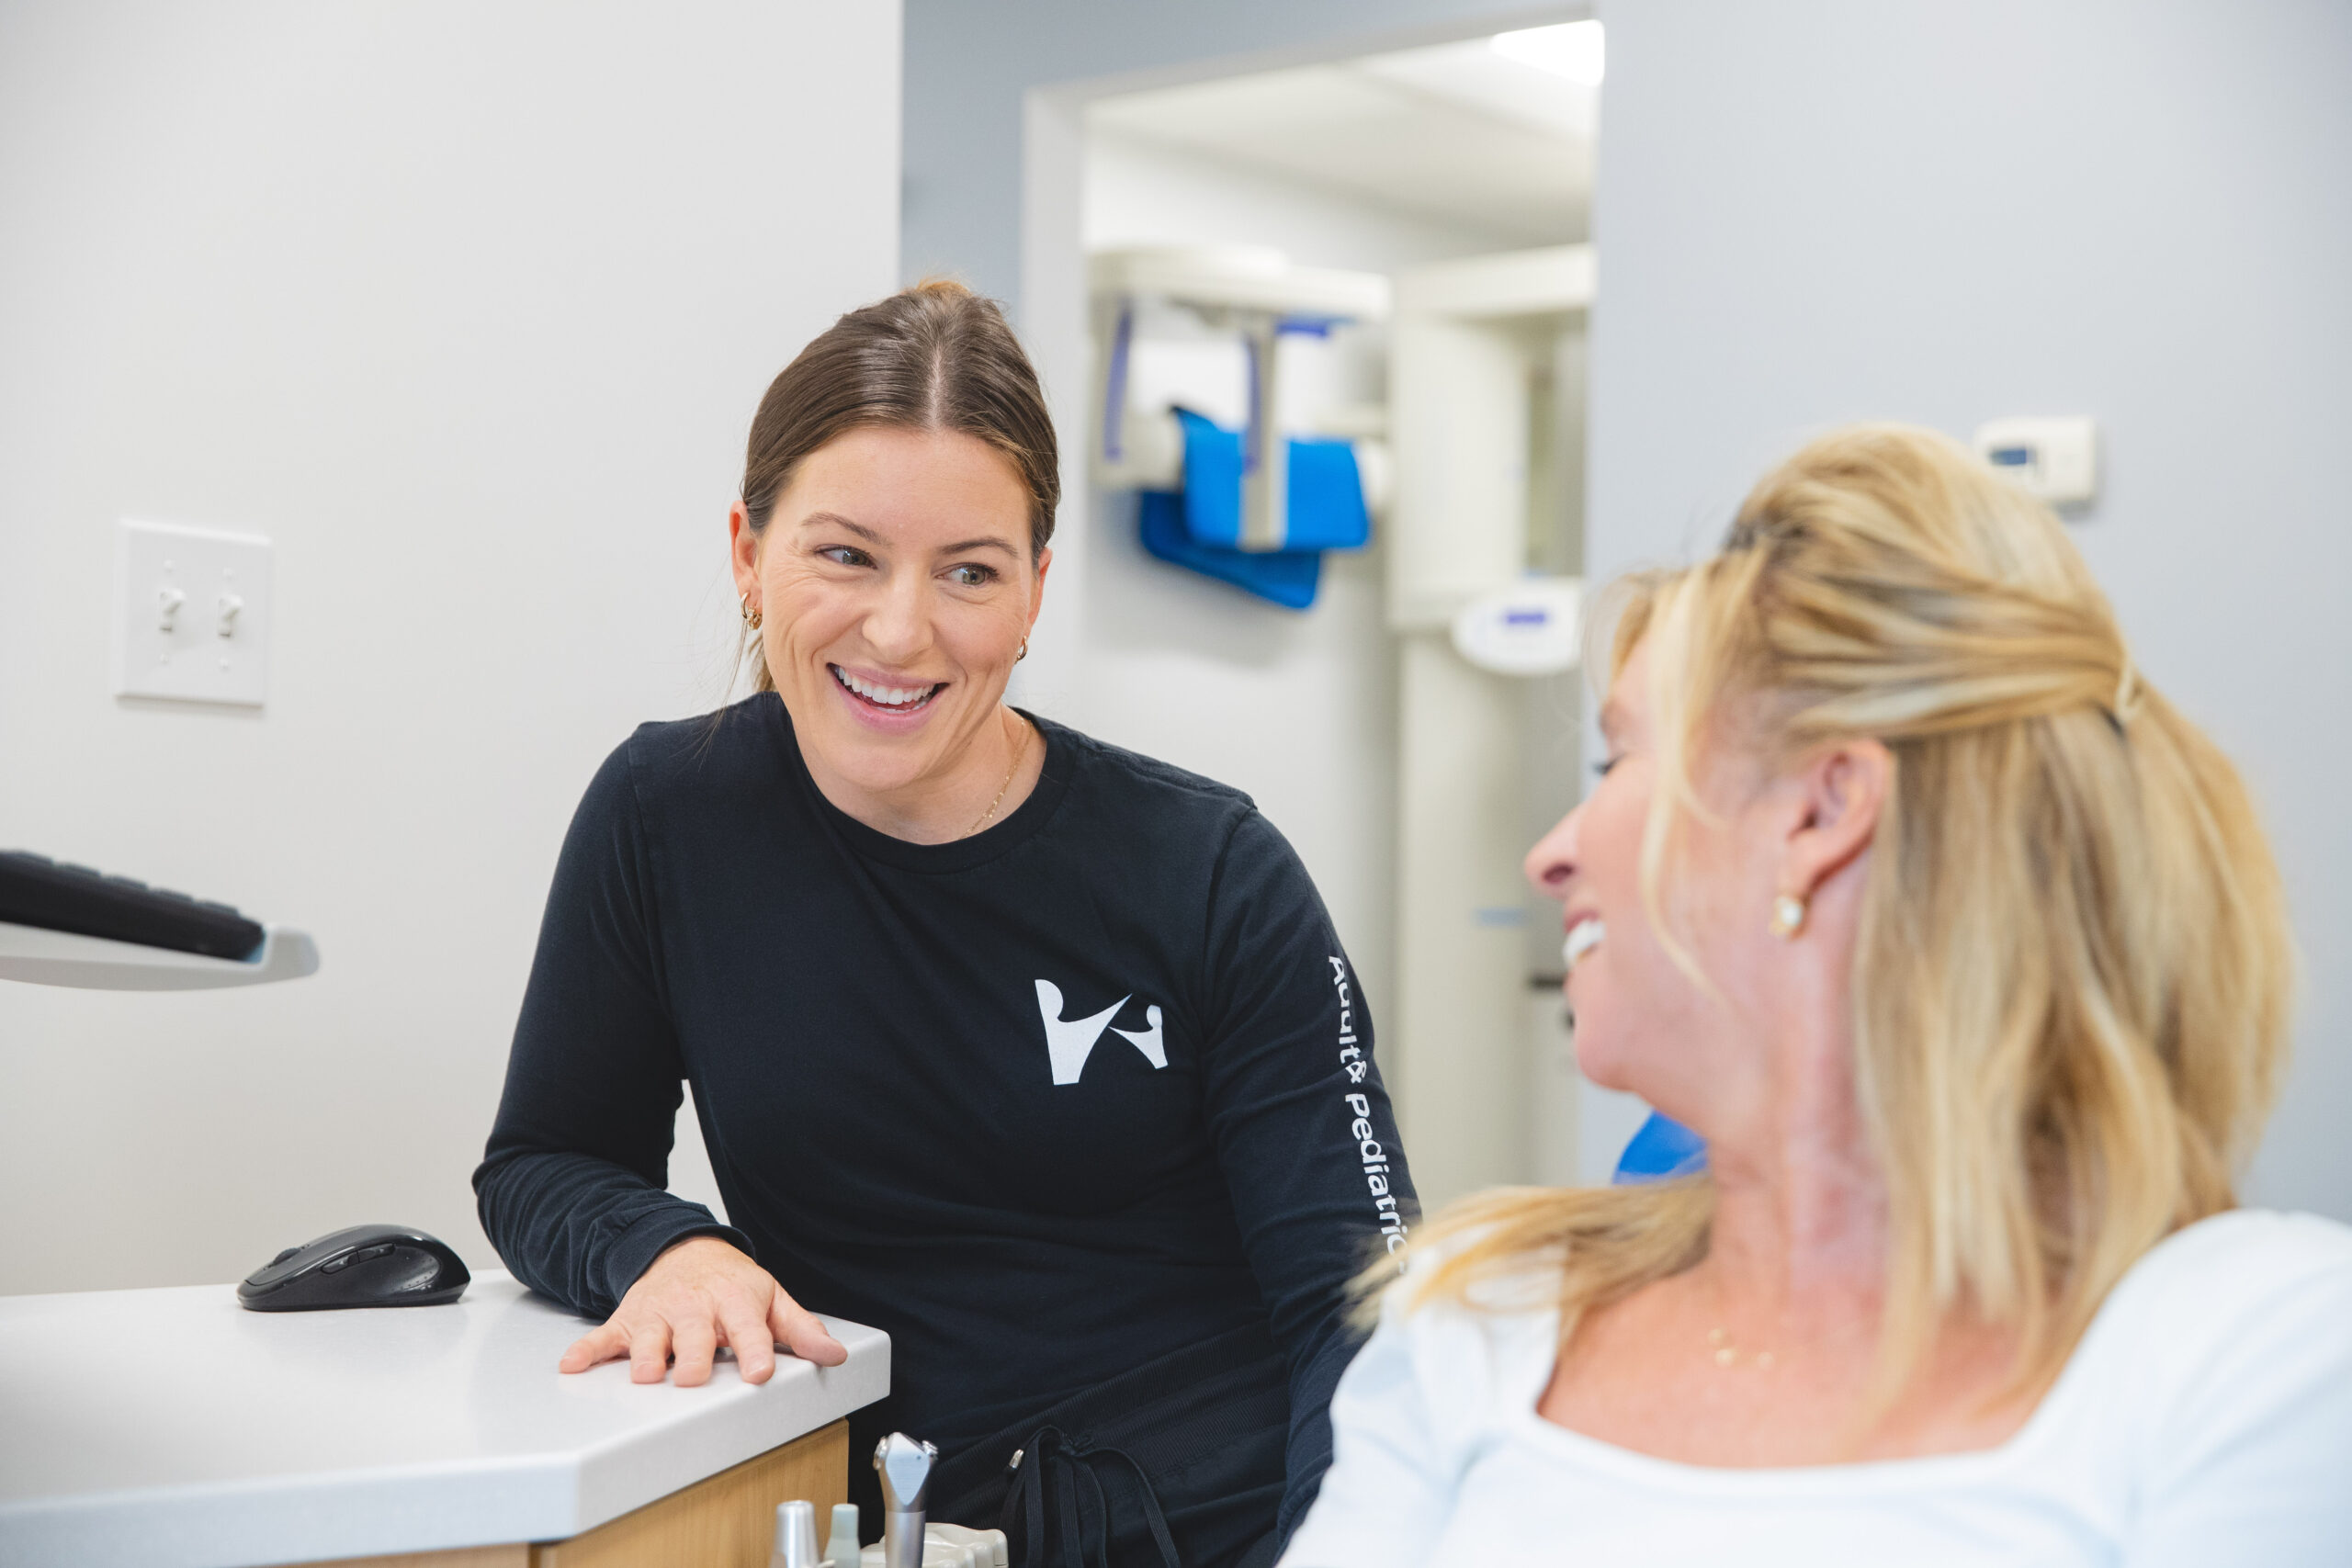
[
  {"x": 888, "y": 696},
  {"x": 1587, "y": 936}
]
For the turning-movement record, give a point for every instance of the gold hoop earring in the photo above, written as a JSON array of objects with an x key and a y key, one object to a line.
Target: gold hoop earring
[
  {"x": 751, "y": 617},
  {"x": 1024, "y": 651},
  {"x": 1788, "y": 915}
]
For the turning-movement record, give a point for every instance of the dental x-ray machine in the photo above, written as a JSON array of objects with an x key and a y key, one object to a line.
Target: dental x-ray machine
[
  {"x": 1483, "y": 545},
  {"x": 1254, "y": 507}
]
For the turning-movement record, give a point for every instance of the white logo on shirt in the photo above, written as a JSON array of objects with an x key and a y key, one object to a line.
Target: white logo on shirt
[{"x": 1067, "y": 1044}]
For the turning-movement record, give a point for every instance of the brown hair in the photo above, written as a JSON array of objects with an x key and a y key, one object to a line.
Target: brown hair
[
  {"x": 2071, "y": 989},
  {"x": 936, "y": 356}
]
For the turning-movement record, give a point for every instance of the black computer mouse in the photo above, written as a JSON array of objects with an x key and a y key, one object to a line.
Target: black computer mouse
[{"x": 365, "y": 1266}]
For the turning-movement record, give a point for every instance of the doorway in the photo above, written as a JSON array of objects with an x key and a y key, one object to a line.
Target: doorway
[{"x": 1352, "y": 722}]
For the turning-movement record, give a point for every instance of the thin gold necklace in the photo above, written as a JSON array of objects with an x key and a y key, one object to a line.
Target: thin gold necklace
[{"x": 1020, "y": 749}]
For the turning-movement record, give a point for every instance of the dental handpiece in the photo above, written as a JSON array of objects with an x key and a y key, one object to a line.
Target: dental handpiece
[{"x": 905, "y": 1468}]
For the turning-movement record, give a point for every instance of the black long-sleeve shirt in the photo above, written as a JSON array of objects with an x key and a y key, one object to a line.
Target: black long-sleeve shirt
[{"x": 1046, "y": 1102}]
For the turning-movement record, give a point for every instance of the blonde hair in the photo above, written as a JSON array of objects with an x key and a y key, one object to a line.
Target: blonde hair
[{"x": 2072, "y": 981}]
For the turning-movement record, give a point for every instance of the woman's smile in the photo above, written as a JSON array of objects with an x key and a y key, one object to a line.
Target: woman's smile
[
  {"x": 882, "y": 696},
  {"x": 1585, "y": 933}
]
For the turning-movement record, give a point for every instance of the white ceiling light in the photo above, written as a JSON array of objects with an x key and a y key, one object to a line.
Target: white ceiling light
[{"x": 1572, "y": 50}]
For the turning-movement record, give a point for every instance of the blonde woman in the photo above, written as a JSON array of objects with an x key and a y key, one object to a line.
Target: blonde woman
[{"x": 1964, "y": 950}]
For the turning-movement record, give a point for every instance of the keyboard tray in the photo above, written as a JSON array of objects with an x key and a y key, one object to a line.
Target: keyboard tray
[{"x": 38, "y": 891}]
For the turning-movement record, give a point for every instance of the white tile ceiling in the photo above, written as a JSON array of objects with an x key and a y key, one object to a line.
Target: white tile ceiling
[{"x": 1455, "y": 133}]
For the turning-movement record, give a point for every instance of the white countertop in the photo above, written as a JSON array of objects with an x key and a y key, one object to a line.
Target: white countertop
[{"x": 174, "y": 1428}]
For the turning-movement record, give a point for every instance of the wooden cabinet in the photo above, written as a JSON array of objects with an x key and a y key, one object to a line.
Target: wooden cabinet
[{"x": 726, "y": 1521}]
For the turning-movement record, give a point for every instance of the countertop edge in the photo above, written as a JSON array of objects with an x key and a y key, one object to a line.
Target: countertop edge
[
  {"x": 629, "y": 1472},
  {"x": 438, "y": 1506}
]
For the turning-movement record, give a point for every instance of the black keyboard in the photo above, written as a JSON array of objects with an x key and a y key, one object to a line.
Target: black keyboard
[{"x": 38, "y": 891}]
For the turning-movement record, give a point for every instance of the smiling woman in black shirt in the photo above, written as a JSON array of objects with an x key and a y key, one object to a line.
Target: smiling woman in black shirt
[{"x": 1038, "y": 1054}]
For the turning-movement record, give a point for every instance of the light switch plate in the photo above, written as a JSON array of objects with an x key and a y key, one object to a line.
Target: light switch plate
[{"x": 191, "y": 609}]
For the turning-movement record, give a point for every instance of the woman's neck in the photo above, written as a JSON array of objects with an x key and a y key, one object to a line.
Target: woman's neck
[
  {"x": 985, "y": 781},
  {"x": 1799, "y": 1231},
  {"x": 1797, "y": 1267}
]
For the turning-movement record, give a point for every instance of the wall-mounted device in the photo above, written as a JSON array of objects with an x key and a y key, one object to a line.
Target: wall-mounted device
[
  {"x": 2057, "y": 460},
  {"x": 1529, "y": 628}
]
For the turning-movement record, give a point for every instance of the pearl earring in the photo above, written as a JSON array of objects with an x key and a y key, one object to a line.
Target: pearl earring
[{"x": 1788, "y": 915}]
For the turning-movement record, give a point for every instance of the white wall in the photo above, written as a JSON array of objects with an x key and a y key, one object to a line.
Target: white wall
[
  {"x": 970, "y": 69},
  {"x": 468, "y": 308},
  {"x": 2138, "y": 209},
  {"x": 1138, "y": 193}
]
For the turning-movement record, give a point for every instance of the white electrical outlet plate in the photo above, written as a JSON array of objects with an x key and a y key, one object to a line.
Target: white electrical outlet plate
[{"x": 191, "y": 608}]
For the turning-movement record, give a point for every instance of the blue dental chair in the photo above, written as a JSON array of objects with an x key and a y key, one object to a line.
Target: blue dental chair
[{"x": 1660, "y": 1150}]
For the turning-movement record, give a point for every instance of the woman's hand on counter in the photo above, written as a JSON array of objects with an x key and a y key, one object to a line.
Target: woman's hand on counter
[{"x": 698, "y": 1295}]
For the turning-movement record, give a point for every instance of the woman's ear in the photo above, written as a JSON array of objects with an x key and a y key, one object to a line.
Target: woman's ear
[
  {"x": 1844, "y": 789},
  {"x": 1038, "y": 588},
  {"x": 743, "y": 549}
]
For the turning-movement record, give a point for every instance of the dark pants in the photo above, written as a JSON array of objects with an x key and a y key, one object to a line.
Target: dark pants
[{"x": 1179, "y": 1462}]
